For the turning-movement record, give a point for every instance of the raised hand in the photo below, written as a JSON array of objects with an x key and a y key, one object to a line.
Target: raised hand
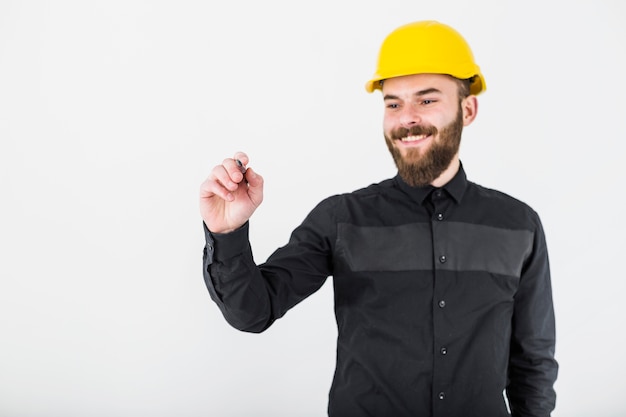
[{"x": 230, "y": 194}]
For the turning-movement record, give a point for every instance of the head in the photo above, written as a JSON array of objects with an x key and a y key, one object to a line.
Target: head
[{"x": 429, "y": 81}]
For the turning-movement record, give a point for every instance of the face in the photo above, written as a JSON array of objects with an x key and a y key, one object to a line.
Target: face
[{"x": 423, "y": 121}]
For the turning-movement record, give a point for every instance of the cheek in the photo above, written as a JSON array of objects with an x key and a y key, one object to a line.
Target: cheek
[{"x": 388, "y": 124}]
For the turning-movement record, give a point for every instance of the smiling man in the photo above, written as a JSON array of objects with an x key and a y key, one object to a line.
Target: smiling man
[{"x": 442, "y": 287}]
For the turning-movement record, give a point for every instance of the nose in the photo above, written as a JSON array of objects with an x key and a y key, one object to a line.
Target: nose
[{"x": 410, "y": 116}]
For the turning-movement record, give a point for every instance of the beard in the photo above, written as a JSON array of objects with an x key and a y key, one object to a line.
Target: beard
[{"x": 419, "y": 168}]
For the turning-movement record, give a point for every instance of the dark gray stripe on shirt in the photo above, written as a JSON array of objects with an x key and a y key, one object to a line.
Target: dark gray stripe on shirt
[
  {"x": 388, "y": 248},
  {"x": 466, "y": 247}
]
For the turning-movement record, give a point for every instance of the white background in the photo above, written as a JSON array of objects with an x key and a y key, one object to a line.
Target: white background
[{"x": 113, "y": 112}]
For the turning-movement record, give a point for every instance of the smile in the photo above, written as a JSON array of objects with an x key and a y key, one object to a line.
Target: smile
[{"x": 413, "y": 139}]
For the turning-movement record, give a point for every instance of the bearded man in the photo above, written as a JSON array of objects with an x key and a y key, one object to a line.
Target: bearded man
[{"x": 442, "y": 287}]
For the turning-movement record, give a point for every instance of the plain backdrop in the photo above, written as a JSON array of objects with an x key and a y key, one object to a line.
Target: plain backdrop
[{"x": 113, "y": 112}]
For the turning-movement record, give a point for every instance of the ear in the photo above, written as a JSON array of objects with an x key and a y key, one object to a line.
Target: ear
[{"x": 469, "y": 106}]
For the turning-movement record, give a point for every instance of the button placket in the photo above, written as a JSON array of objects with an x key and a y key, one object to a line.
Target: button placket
[{"x": 440, "y": 205}]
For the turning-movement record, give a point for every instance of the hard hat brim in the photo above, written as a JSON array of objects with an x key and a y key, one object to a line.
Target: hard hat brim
[{"x": 478, "y": 83}]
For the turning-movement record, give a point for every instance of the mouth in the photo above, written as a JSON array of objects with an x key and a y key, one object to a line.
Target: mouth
[{"x": 414, "y": 139}]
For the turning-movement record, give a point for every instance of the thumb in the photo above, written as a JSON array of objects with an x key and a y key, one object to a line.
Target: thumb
[{"x": 255, "y": 186}]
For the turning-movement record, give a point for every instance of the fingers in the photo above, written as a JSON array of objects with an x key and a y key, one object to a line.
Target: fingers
[
  {"x": 217, "y": 185},
  {"x": 225, "y": 179},
  {"x": 242, "y": 157},
  {"x": 236, "y": 167}
]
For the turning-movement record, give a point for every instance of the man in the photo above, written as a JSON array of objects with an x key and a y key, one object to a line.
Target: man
[{"x": 442, "y": 287}]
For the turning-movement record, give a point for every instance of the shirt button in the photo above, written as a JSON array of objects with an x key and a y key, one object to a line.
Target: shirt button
[
  {"x": 437, "y": 193},
  {"x": 442, "y": 303},
  {"x": 443, "y": 259},
  {"x": 444, "y": 351},
  {"x": 440, "y": 216},
  {"x": 441, "y": 395}
]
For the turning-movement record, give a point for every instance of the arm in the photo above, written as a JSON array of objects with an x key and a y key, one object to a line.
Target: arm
[
  {"x": 232, "y": 279},
  {"x": 532, "y": 367},
  {"x": 252, "y": 297},
  {"x": 228, "y": 198}
]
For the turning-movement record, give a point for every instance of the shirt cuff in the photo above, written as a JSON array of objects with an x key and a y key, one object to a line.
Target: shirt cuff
[{"x": 223, "y": 246}]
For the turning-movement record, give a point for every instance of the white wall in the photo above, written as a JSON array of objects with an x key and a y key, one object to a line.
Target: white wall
[{"x": 113, "y": 112}]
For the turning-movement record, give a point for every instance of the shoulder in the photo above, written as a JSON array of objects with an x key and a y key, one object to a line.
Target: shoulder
[
  {"x": 384, "y": 189},
  {"x": 501, "y": 205},
  {"x": 368, "y": 197}
]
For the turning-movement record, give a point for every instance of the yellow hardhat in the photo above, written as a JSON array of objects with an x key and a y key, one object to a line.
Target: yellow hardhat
[{"x": 426, "y": 47}]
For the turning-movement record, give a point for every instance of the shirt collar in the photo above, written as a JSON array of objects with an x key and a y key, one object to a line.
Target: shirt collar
[{"x": 455, "y": 187}]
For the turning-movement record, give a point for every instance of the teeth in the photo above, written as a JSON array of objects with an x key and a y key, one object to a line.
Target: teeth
[{"x": 413, "y": 138}]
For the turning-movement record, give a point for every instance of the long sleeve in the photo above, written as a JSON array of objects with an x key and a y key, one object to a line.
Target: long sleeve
[
  {"x": 252, "y": 297},
  {"x": 532, "y": 367},
  {"x": 234, "y": 282}
]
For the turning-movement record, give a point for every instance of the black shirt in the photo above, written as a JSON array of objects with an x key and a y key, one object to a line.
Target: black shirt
[{"x": 443, "y": 298}]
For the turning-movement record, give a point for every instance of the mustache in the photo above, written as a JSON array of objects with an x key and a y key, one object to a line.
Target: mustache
[{"x": 403, "y": 132}]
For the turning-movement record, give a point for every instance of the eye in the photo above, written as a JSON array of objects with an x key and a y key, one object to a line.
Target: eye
[
  {"x": 392, "y": 105},
  {"x": 428, "y": 101}
]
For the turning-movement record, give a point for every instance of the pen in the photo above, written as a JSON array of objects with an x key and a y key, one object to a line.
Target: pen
[{"x": 242, "y": 169}]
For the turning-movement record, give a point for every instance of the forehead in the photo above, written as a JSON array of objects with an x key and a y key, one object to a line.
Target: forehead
[{"x": 413, "y": 84}]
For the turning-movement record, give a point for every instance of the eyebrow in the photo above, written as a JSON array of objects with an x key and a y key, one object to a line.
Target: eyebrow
[{"x": 418, "y": 94}]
